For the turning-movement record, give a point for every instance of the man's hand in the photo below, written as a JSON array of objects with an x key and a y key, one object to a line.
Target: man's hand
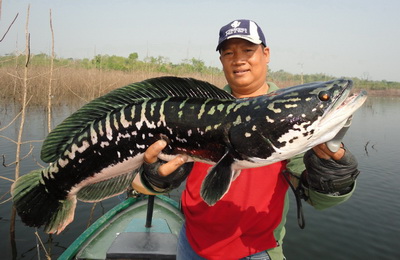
[
  {"x": 151, "y": 156},
  {"x": 170, "y": 173},
  {"x": 329, "y": 172}
]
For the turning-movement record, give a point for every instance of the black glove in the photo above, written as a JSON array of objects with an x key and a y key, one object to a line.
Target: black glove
[
  {"x": 162, "y": 184},
  {"x": 329, "y": 176}
]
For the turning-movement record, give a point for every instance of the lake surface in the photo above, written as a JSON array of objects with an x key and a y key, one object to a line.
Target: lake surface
[{"x": 365, "y": 227}]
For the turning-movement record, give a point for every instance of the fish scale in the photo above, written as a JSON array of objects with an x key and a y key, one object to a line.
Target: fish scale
[{"x": 97, "y": 151}]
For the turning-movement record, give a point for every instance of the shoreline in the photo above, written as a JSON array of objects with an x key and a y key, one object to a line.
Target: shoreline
[{"x": 383, "y": 92}]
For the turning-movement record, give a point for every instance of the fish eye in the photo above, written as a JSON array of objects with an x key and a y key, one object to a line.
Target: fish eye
[{"x": 324, "y": 96}]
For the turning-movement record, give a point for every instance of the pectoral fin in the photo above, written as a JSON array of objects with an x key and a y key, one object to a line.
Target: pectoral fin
[{"x": 218, "y": 180}]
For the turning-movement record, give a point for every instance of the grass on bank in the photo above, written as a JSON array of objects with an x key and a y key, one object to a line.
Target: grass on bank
[{"x": 83, "y": 80}]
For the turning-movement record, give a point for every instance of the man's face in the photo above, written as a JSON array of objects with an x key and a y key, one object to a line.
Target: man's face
[{"x": 244, "y": 64}]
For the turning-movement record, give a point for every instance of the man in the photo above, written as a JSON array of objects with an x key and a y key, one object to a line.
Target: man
[{"x": 248, "y": 222}]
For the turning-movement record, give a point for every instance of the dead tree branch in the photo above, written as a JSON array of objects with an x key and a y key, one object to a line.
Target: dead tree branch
[{"x": 9, "y": 27}]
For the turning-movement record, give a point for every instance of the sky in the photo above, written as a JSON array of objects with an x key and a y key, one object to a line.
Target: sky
[{"x": 341, "y": 38}]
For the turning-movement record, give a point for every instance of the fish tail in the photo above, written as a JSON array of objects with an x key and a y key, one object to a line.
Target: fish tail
[{"x": 37, "y": 207}]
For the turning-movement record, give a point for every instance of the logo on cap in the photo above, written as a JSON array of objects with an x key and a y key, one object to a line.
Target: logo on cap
[
  {"x": 235, "y": 24},
  {"x": 236, "y": 29}
]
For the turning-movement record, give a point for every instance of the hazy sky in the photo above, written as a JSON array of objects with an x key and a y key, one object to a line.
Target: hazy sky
[{"x": 349, "y": 38}]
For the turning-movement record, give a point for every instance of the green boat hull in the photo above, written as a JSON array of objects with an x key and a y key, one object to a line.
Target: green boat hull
[{"x": 121, "y": 232}]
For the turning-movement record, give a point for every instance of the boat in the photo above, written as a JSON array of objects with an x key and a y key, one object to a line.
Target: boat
[{"x": 143, "y": 227}]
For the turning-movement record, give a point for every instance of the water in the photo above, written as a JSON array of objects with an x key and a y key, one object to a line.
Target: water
[{"x": 365, "y": 227}]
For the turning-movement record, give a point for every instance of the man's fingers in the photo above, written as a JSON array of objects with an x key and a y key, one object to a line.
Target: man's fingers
[
  {"x": 338, "y": 155},
  {"x": 322, "y": 151},
  {"x": 171, "y": 166},
  {"x": 150, "y": 156}
]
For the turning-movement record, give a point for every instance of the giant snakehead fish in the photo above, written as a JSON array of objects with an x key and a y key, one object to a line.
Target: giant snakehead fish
[{"x": 95, "y": 153}]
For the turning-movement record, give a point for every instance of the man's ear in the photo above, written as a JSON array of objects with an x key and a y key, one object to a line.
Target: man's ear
[{"x": 266, "y": 53}]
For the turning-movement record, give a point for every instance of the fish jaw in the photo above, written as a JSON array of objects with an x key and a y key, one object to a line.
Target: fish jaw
[{"x": 335, "y": 118}]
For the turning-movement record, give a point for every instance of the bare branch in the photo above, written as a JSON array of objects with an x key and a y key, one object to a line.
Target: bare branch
[
  {"x": 41, "y": 243},
  {"x": 81, "y": 98},
  {"x": 24, "y": 97},
  {"x": 9, "y": 139},
  {"x": 7, "y": 179},
  {"x": 91, "y": 214},
  {"x": 12, "y": 121},
  {"x": 7, "y": 200},
  {"x": 18, "y": 160},
  {"x": 28, "y": 49},
  {"x": 30, "y": 152},
  {"x": 32, "y": 141},
  {"x": 9, "y": 27},
  {"x": 36, "y": 161},
  {"x": 15, "y": 76},
  {"x": 49, "y": 93},
  {"x": 4, "y": 161}
]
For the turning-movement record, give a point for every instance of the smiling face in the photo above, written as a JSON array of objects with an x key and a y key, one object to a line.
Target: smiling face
[{"x": 245, "y": 67}]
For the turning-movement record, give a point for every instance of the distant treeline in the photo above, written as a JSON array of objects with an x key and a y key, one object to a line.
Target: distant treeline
[
  {"x": 162, "y": 64},
  {"x": 118, "y": 63},
  {"x": 86, "y": 79}
]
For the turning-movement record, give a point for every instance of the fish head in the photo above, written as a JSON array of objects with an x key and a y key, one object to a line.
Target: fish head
[
  {"x": 334, "y": 103},
  {"x": 301, "y": 117}
]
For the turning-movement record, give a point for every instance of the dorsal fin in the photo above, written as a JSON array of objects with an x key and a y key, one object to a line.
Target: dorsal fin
[{"x": 57, "y": 141}]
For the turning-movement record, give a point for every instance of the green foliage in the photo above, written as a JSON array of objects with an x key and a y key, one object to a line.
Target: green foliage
[{"x": 283, "y": 76}]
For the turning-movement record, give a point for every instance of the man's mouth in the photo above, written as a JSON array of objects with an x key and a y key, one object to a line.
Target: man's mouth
[{"x": 240, "y": 72}]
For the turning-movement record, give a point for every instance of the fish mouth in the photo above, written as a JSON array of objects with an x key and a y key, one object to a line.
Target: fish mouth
[
  {"x": 354, "y": 99},
  {"x": 345, "y": 105}
]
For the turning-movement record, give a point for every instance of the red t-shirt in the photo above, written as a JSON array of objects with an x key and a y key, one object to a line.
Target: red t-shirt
[{"x": 243, "y": 221}]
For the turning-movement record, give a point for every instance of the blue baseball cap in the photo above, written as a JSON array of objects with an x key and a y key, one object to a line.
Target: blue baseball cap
[{"x": 243, "y": 29}]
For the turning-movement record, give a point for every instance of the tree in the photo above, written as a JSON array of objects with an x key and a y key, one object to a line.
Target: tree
[{"x": 133, "y": 56}]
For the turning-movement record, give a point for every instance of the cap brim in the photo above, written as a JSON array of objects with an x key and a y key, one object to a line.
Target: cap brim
[{"x": 244, "y": 37}]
